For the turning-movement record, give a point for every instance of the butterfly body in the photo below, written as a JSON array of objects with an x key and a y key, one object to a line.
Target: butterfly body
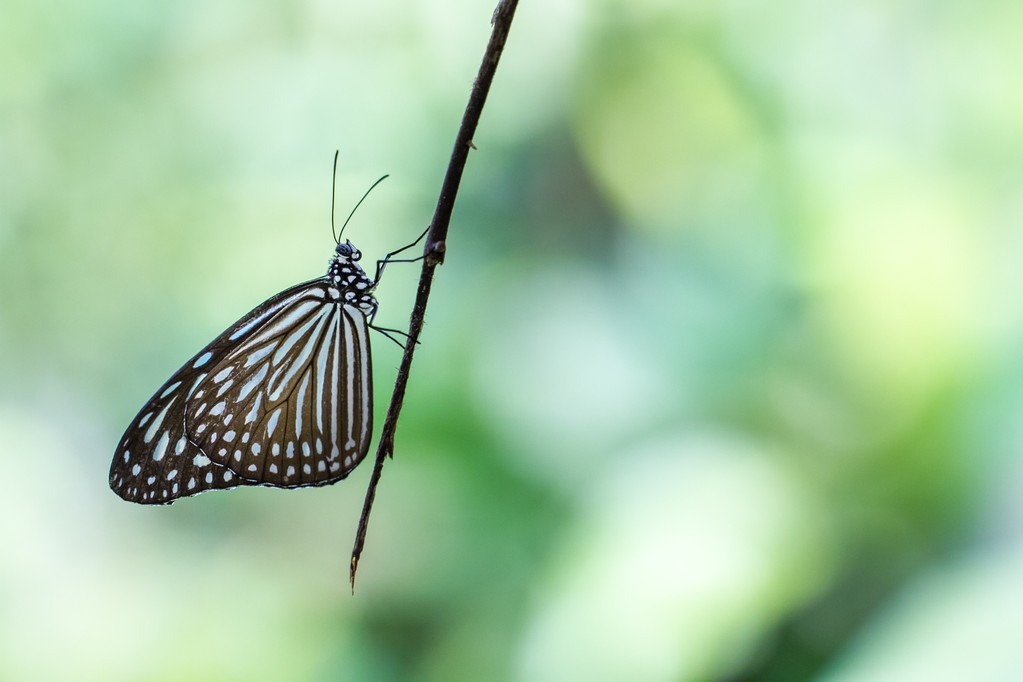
[{"x": 282, "y": 398}]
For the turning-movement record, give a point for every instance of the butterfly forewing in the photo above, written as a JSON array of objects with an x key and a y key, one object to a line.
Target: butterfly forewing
[{"x": 291, "y": 405}]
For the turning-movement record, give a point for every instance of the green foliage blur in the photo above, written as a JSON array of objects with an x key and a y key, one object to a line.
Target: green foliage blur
[{"x": 721, "y": 379}]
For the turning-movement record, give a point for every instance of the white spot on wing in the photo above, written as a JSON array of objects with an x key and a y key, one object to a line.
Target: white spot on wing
[
  {"x": 256, "y": 356},
  {"x": 365, "y": 418},
  {"x": 271, "y": 423},
  {"x": 321, "y": 367},
  {"x": 254, "y": 412},
  {"x": 253, "y": 382},
  {"x": 195, "y": 384},
  {"x": 161, "y": 446},
  {"x": 202, "y": 359},
  {"x": 351, "y": 367},
  {"x": 151, "y": 432},
  {"x": 300, "y": 405}
]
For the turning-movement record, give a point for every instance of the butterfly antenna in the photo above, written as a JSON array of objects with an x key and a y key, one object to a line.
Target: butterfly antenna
[
  {"x": 359, "y": 204},
  {"x": 333, "y": 192}
]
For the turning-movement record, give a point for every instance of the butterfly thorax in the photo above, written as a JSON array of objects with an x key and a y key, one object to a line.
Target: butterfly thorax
[{"x": 347, "y": 282}]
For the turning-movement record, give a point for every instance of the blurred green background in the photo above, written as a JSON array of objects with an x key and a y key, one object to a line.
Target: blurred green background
[{"x": 721, "y": 379}]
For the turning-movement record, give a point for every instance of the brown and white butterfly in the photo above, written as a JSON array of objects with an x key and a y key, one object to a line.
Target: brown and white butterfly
[{"x": 282, "y": 398}]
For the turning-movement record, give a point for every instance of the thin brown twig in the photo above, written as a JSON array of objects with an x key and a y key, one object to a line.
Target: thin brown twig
[{"x": 433, "y": 252}]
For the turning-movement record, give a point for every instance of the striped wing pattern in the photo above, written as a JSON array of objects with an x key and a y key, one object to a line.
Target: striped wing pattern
[
  {"x": 291, "y": 405},
  {"x": 282, "y": 398}
]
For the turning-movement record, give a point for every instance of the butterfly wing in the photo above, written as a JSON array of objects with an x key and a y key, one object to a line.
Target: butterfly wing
[
  {"x": 155, "y": 463},
  {"x": 290, "y": 404},
  {"x": 164, "y": 455}
]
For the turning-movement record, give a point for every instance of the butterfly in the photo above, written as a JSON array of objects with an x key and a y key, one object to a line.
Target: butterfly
[{"x": 282, "y": 398}]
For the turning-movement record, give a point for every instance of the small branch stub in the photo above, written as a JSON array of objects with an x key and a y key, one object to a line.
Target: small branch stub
[{"x": 435, "y": 255}]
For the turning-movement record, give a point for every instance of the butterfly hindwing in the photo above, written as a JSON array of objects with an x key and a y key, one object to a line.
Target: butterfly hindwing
[{"x": 291, "y": 404}]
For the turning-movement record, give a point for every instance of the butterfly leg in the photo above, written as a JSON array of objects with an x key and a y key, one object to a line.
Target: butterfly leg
[
  {"x": 386, "y": 331},
  {"x": 390, "y": 258}
]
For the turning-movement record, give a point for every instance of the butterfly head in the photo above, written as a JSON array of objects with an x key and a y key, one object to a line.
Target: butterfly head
[{"x": 347, "y": 251}]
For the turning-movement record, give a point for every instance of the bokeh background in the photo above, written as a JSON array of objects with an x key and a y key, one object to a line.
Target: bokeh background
[{"x": 721, "y": 380}]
